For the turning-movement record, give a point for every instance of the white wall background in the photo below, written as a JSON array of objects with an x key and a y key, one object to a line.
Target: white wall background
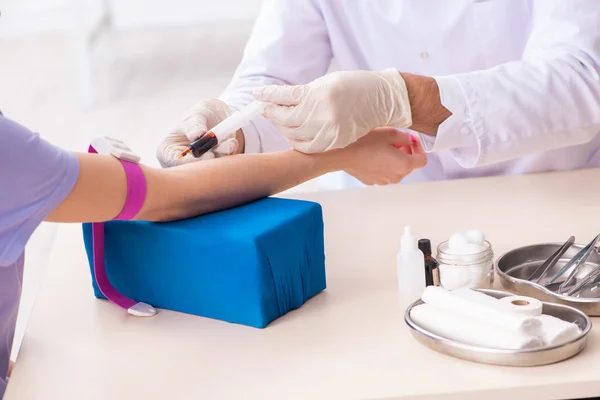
[{"x": 24, "y": 17}]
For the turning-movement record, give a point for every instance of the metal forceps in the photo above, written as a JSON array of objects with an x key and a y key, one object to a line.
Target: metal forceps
[
  {"x": 575, "y": 263},
  {"x": 552, "y": 260}
]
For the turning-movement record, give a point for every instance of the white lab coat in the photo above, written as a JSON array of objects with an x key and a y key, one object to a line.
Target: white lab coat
[{"x": 521, "y": 77}]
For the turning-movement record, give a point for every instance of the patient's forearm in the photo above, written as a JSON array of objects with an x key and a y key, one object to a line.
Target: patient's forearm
[
  {"x": 199, "y": 188},
  {"x": 188, "y": 190}
]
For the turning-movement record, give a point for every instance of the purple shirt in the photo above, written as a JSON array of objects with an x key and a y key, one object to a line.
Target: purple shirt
[{"x": 35, "y": 177}]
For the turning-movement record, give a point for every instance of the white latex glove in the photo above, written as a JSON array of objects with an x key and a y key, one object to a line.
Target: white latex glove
[
  {"x": 337, "y": 109},
  {"x": 201, "y": 118}
]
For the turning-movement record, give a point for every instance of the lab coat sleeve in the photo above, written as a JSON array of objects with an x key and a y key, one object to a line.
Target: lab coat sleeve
[
  {"x": 289, "y": 45},
  {"x": 548, "y": 100}
]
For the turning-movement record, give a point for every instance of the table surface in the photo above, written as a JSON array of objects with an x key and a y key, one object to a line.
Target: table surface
[{"x": 348, "y": 342}]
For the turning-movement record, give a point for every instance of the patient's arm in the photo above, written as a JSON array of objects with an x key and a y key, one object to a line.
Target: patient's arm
[{"x": 199, "y": 188}]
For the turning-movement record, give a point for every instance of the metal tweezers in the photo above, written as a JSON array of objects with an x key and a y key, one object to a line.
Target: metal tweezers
[
  {"x": 552, "y": 260},
  {"x": 590, "y": 279},
  {"x": 576, "y": 263}
]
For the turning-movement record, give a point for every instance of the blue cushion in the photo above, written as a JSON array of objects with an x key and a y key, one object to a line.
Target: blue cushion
[{"x": 248, "y": 265}]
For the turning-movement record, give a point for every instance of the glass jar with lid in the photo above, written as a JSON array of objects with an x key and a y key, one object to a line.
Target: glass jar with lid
[{"x": 471, "y": 270}]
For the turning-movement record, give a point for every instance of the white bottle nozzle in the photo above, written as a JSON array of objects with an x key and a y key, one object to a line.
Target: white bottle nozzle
[{"x": 408, "y": 241}]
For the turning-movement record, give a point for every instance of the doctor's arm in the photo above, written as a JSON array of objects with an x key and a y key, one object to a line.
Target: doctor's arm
[
  {"x": 198, "y": 188},
  {"x": 548, "y": 100}
]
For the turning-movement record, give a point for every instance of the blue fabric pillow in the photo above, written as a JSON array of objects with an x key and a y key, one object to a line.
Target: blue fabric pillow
[{"x": 248, "y": 265}]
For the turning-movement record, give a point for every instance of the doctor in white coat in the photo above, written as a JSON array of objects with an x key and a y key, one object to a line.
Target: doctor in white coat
[{"x": 493, "y": 87}]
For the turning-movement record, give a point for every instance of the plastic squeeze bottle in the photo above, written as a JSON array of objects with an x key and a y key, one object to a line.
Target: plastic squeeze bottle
[{"x": 411, "y": 269}]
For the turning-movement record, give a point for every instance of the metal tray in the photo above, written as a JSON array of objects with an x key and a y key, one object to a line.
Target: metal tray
[
  {"x": 514, "y": 358},
  {"x": 514, "y": 267}
]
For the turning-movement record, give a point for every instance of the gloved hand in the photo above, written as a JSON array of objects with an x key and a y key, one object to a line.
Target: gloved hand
[
  {"x": 202, "y": 117},
  {"x": 337, "y": 109}
]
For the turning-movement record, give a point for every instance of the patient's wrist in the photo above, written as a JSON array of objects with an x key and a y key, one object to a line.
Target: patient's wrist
[{"x": 332, "y": 160}]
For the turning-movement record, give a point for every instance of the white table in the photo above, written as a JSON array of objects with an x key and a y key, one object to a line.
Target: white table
[{"x": 348, "y": 342}]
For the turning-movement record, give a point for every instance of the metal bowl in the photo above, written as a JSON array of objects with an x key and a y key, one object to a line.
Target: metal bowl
[
  {"x": 514, "y": 358},
  {"x": 514, "y": 267}
]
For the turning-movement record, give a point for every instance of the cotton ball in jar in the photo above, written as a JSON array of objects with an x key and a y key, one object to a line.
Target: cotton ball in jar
[
  {"x": 480, "y": 275},
  {"x": 472, "y": 248},
  {"x": 475, "y": 236},
  {"x": 453, "y": 277},
  {"x": 472, "y": 252},
  {"x": 457, "y": 241}
]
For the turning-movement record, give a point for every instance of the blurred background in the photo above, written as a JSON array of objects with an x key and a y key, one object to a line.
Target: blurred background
[{"x": 75, "y": 69}]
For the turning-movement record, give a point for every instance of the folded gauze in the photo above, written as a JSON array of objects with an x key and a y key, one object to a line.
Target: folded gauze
[
  {"x": 554, "y": 331},
  {"x": 480, "y": 298},
  {"x": 448, "y": 301},
  {"x": 464, "y": 329}
]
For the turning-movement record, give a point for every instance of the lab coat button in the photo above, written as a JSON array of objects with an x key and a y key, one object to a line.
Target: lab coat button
[{"x": 424, "y": 55}]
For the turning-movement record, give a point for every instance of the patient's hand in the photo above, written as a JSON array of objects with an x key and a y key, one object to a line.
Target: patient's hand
[{"x": 384, "y": 156}]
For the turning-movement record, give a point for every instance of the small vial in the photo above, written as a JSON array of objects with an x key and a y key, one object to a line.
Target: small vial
[
  {"x": 201, "y": 145},
  {"x": 204, "y": 144},
  {"x": 432, "y": 271}
]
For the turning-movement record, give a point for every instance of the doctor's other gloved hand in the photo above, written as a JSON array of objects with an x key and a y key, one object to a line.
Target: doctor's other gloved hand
[
  {"x": 337, "y": 109},
  {"x": 384, "y": 156},
  {"x": 201, "y": 118}
]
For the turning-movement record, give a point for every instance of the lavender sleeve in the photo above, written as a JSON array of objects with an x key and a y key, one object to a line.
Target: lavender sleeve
[{"x": 35, "y": 177}]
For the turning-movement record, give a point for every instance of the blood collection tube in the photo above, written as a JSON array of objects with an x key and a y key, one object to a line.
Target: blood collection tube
[
  {"x": 201, "y": 145},
  {"x": 236, "y": 121}
]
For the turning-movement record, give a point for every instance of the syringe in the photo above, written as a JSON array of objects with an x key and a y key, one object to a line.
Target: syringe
[{"x": 236, "y": 121}]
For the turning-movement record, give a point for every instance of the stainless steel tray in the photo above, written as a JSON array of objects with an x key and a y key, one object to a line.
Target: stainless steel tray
[
  {"x": 525, "y": 358},
  {"x": 513, "y": 269}
]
